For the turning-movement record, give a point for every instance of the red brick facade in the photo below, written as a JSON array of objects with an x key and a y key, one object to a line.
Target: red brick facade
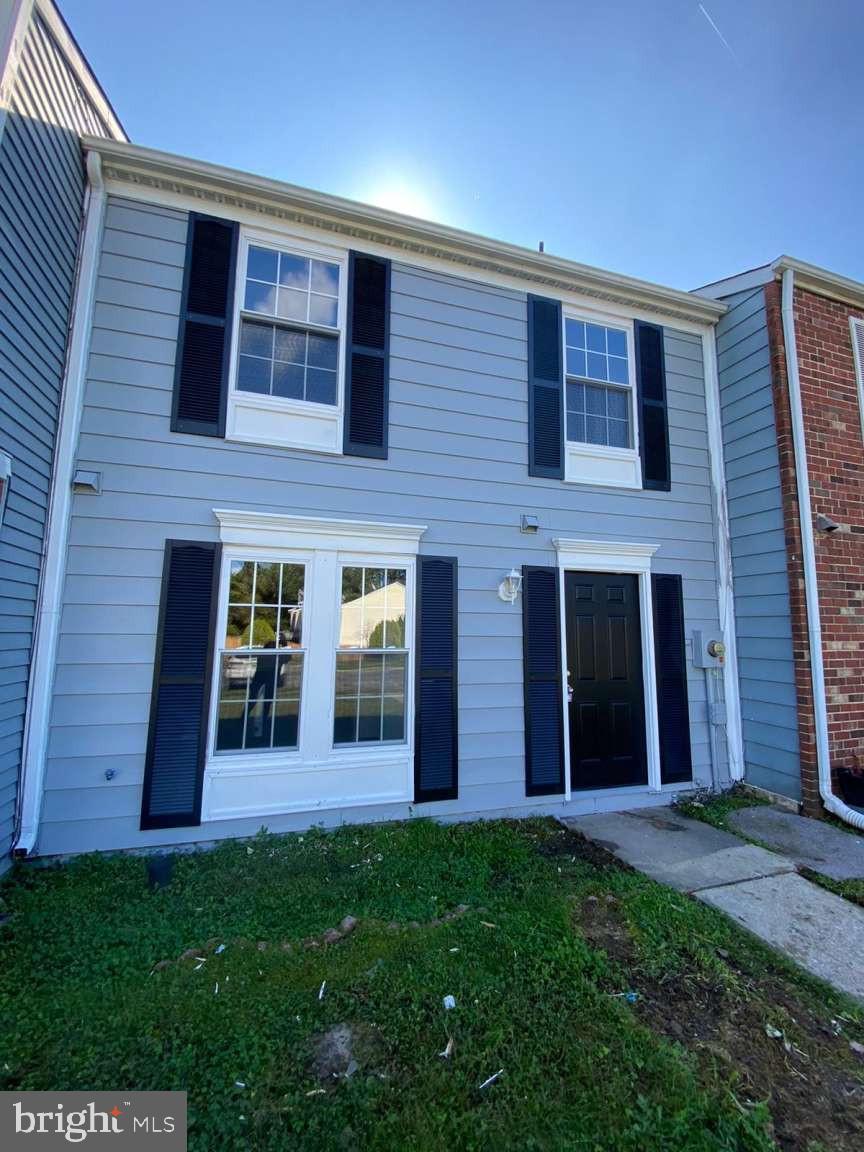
[{"x": 835, "y": 457}]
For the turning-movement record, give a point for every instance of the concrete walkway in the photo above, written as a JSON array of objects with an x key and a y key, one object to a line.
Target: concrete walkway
[
  {"x": 810, "y": 843},
  {"x": 761, "y": 890}
]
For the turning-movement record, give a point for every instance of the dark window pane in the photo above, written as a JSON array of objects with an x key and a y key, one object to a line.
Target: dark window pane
[
  {"x": 262, "y": 683},
  {"x": 595, "y": 401},
  {"x": 256, "y": 339},
  {"x": 290, "y": 626},
  {"x": 619, "y": 435},
  {"x": 323, "y": 351},
  {"x": 347, "y": 673},
  {"x": 575, "y": 333},
  {"x": 288, "y": 380},
  {"x": 394, "y": 675},
  {"x": 345, "y": 722},
  {"x": 596, "y": 366},
  {"x": 320, "y": 386},
  {"x": 596, "y": 338},
  {"x": 325, "y": 277},
  {"x": 229, "y": 728},
  {"x": 371, "y": 669},
  {"x": 576, "y": 428},
  {"x": 616, "y": 404},
  {"x": 292, "y": 583},
  {"x": 616, "y": 341},
  {"x": 290, "y": 346},
  {"x": 322, "y": 310},
  {"x": 575, "y": 397},
  {"x": 260, "y": 298},
  {"x": 242, "y": 574},
  {"x": 369, "y": 719},
  {"x": 237, "y": 631},
  {"x": 264, "y": 624},
  {"x": 576, "y": 365},
  {"x": 617, "y": 370},
  {"x": 596, "y": 430},
  {"x": 253, "y": 375},
  {"x": 289, "y": 676},
  {"x": 259, "y": 723},
  {"x": 262, "y": 264},
  {"x": 294, "y": 271},
  {"x": 394, "y": 718},
  {"x": 267, "y": 584},
  {"x": 285, "y": 723},
  {"x": 236, "y": 674}
]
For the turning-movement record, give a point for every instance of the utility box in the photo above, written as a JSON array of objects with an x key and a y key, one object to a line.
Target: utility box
[{"x": 708, "y": 651}]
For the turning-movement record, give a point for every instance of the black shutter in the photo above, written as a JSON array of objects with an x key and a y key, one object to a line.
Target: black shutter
[
  {"x": 544, "y": 711},
  {"x": 653, "y": 422},
  {"x": 545, "y": 389},
  {"x": 179, "y": 706},
  {"x": 436, "y": 734},
  {"x": 367, "y": 383},
  {"x": 671, "y": 664},
  {"x": 204, "y": 335}
]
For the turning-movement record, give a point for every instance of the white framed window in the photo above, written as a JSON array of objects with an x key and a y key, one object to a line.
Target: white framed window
[
  {"x": 289, "y": 333},
  {"x": 600, "y": 403},
  {"x": 372, "y": 656},
  {"x": 312, "y": 698}
]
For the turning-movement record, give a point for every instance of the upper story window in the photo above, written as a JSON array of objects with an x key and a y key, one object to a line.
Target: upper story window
[
  {"x": 297, "y": 356},
  {"x": 598, "y": 385},
  {"x": 602, "y": 435},
  {"x": 288, "y": 367}
]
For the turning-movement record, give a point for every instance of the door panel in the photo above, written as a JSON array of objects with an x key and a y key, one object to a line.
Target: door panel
[{"x": 604, "y": 662}]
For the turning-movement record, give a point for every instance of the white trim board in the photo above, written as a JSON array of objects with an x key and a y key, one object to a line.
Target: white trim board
[
  {"x": 277, "y": 530},
  {"x": 633, "y": 559}
]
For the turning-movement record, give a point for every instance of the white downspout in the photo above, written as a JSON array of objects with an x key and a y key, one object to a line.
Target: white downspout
[
  {"x": 47, "y": 628},
  {"x": 811, "y": 587}
]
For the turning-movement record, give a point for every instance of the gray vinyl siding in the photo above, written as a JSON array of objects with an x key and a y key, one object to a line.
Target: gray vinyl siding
[
  {"x": 41, "y": 190},
  {"x": 764, "y": 628},
  {"x": 457, "y": 463}
]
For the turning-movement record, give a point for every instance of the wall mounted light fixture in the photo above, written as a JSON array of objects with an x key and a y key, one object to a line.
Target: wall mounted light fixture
[{"x": 510, "y": 587}]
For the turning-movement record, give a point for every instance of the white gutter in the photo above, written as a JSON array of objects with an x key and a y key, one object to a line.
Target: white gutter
[
  {"x": 811, "y": 587},
  {"x": 57, "y": 531}
]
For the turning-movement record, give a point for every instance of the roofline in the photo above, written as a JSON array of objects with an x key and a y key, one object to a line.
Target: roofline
[
  {"x": 807, "y": 276},
  {"x": 200, "y": 180},
  {"x": 71, "y": 49}
]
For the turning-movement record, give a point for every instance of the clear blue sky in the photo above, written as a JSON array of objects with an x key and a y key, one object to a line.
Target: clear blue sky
[{"x": 623, "y": 133}]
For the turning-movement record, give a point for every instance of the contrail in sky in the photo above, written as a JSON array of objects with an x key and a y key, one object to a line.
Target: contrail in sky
[{"x": 723, "y": 39}]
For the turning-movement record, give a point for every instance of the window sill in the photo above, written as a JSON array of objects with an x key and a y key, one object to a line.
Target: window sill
[
  {"x": 599, "y": 465},
  {"x": 281, "y": 423}
]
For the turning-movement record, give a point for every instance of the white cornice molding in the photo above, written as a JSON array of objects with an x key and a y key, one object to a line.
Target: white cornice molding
[
  {"x": 821, "y": 281},
  {"x": 604, "y": 555},
  {"x": 215, "y": 188},
  {"x": 277, "y": 530}
]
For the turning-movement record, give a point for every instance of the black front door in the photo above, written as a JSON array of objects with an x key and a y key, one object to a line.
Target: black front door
[{"x": 604, "y": 675}]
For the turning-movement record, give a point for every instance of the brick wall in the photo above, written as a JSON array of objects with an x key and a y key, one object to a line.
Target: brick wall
[{"x": 835, "y": 457}]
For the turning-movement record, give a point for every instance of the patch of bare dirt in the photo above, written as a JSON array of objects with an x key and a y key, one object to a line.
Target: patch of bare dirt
[
  {"x": 568, "y": 842},
  {"x": 805, "y": 1074}
]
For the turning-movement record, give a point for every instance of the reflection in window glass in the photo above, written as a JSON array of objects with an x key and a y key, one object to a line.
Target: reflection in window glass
[
  {"x": 598, "y": 393},
  {"x": 371, "y": 662},
  {"x": 289, "y": 358},
  {"x": 261, "y": 661}
]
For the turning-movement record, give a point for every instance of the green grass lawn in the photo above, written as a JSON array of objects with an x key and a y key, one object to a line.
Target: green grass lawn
[{"x": 724, "y": 1047}]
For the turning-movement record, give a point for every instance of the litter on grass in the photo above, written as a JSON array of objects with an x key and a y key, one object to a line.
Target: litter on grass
[
  {"x": 449, "y": 1002},
  {"x": 220, "y": 949},
  {"x": 321, "y": 989},
  {"x": 486, "y": 924},
  {"x": 491, "y": 1079},
  {"x": 239, "y": 1083},
  {"x": 448, "y": 1051},
  {"x": 774, "y": 1033}
]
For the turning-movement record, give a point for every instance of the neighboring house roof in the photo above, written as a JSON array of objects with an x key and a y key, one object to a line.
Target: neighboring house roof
[
  {"x": 809, "y": 276},
  {"x": 214, "y": 186}
]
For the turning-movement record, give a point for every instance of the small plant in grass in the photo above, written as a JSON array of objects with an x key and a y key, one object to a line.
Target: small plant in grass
[{"x": 715, "y": 807}]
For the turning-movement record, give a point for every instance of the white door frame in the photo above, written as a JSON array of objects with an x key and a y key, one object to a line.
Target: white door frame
[{"x": 615, "y": 557}]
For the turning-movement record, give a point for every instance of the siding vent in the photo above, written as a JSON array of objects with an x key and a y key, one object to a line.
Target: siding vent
[
  {"x": 367, "y": 382},
  {"x": 204, "y": 335}
]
